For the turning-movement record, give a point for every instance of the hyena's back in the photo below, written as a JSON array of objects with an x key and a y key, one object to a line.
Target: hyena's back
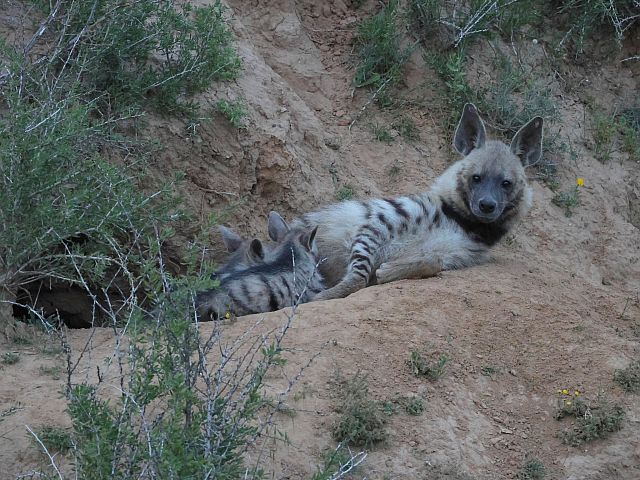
[{"x": 380, "y": 229}]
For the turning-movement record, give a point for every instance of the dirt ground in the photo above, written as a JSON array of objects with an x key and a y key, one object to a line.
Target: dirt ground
[{"x": 557, "y": 306}]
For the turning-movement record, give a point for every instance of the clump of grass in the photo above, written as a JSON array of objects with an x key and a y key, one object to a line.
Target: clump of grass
[
  {"x": 344, "y": 193},
  {"x": 629, "y": 124},
  {"x": 591, "y": 420},
  {"x": 532, "y": 470},
  {"x": 424, "y": 367},
  {"x": 54, "y": 372},
  {"x": 56, "y": 439},
  {"x": 381, "y": 133},
  {"x": 406, "y": 127},
  {"x": 629, "y": 378},
  {"x": 450, "y": 67},
  {"x": 514, "y": 97},
  {"x": 585, "y": 18},
  {"x": 381, "y": 57},
  {"x": 10, "y": 358},
  {"x": 361, "y": 422},
  {"x": 413, "y": 406},
  {"x": 235, "y": 111},
  {"x": 568, "y": 200},
  {"x": 457, "y": 25},
  {"x": 489, "y": 371},
  {"x": 604, "y": 130}
]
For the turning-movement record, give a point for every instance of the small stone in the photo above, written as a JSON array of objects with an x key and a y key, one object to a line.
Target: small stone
[
  {"x": 513, "y": 372},
  {"x": 340, "y": 113},
  {"x": 495, "y": 440},
  {"x": 506, "y": 431}
]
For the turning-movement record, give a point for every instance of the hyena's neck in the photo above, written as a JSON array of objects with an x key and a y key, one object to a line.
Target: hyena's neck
[{"x": 485, "y": 233}]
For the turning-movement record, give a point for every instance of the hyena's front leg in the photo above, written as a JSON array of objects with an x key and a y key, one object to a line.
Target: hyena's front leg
[
  {"x": 404, "y": 269},
  {"x": 360, "y": 266}
]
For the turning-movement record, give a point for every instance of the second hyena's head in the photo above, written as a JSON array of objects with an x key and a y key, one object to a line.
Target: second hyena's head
[{"x": 489, "y": 184}]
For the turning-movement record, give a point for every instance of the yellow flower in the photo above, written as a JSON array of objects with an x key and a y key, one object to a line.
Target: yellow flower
[
  {"x": 568, "y": 403},
  {"x": 565, "y": 391},
  {"x": 227, "y": 315},
  {"x": 576, "y": 393},
  {"x": 580, "y": 182}
]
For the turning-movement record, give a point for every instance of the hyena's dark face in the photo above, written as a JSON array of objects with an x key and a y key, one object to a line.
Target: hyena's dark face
[{"x": 491, "y": 181}]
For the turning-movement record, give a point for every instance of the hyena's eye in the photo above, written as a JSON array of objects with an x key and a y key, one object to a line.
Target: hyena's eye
[
  {"x": 476, "y": 178},
  {"x": 506, "y": 184}
]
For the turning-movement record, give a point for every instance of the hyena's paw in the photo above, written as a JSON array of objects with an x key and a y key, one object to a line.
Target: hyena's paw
[{"x": 386, "y": 273}]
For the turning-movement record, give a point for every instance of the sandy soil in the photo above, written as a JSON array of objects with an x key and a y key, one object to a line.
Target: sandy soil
[{"x": 557, "y": 306}]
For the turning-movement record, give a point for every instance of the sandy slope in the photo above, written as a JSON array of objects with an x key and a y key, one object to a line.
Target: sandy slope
[{"x": 556, "y": 307}]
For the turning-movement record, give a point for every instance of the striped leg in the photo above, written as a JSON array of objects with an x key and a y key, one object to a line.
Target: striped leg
[
  {"x": 360, "y": 266},
  {"x": 397, "y": 270}
]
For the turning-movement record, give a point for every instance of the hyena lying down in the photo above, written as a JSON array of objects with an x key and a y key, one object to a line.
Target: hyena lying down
[
  {"x": 287, "y": 276},
  {"x": 453, "y": 225},
  {"x": 245, "y": 253}
]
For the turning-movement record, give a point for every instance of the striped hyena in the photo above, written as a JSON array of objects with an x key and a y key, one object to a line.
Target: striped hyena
[
  {"x": 288, "y": 276},
  {"x": 452, "y": 225},
  {"x": 245, "y": 253}
]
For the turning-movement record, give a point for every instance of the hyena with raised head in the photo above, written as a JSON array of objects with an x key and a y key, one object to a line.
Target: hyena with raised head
[
  {"x": 245, "y": 253},
  {"x": 288, "y": 277},
  {"x": 452, "y": 225}
]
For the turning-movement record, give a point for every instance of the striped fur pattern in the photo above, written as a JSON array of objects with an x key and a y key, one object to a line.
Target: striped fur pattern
[
  {"x": 289, "y": 276},
  {"x": 244, "y": 253},
  {"x": 451, "y": 226}
]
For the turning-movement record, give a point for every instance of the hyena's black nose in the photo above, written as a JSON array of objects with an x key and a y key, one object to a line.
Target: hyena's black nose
[{"x": 487, "y": 205}]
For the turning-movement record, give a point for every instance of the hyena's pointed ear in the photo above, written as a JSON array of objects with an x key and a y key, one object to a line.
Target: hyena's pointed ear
[
  {"x": 231, "y": 239},
  {"x": 308, "y": 239},
  {"x": 470, "y": 132},
  {"x": 256, "y": 250},
  {"x": 527, "y": 143},
  {"x": 278, "y": 228}
]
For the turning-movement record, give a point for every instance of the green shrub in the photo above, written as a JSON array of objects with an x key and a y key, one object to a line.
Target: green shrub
[
  {"x": 629, "y": 378},
  {"x": 532, "y": 470},
  {"x": 591, "y": 420},
  {"x": 379, "y": 50},
  {"x": 135, "y": 52},
  {"x": 421, "y": 366},
  {"x": 568, "y": 200},
  {"x": 585, "y": 18},
  {"x": 10, "y": 358},
  {"x": 189, "y": 403},
  {"x": 55, "y": 439},
  {"x": 361, "y": 422},
  {"x": 236, "y": 112}
]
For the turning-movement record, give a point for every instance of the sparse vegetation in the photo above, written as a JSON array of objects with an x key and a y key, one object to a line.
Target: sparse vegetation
[
  {"x": 10, "y": 358},
  {"x": 568, "y": 200},
  {"x": 56, "y": 439},
  {"x": 55, "y": 372},
  {"x": 489, "y": 371},
  {"x": 629, "y": 378},
  {"x": 604, "y": 130},
  {"x": 381, "y": 133},
  {"x": 406, "y": 127},
  {"x": 586, "y": 17},
  {"x": 235, "y": 111},
  {"x": 421, "y": 366},
  {"x": 344, "y": 193},
  {"x": 338, "y": 463},
  {"x": 413, "y": 406},
  {"x": 361, "y": 421},
  {"x": 532, "y": 470},
  {"x": 191, "y": 46},
  {"x": 592, "y": 420},
  {"x": 381, "y": 57}
]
